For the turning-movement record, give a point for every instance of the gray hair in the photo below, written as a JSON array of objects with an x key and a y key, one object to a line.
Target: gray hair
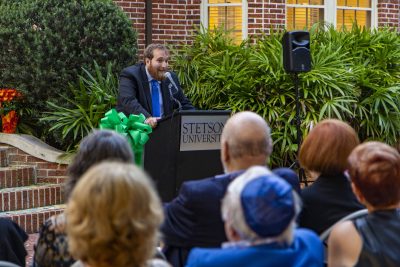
[
  {"x": 232, "y": 211},
  {"x": 247, "y": 134}
]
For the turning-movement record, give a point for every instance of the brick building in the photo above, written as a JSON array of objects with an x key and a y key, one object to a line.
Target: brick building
[{"x": 174, "y": 21}]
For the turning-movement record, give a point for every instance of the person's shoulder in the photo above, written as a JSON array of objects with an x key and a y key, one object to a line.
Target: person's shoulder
[
  {"x": 205, "y": 181},
  {"x": 206, "y": 256},
  {"x": 307, "y": 239},
  {"x": 344, "y": 244},
  {"x": 55, "y": 223},
  {"x": 133, "y": 69},
  {"x": 306, "y": 233},
  {"x": 52, "y": 244},
  {"x": 173, "y": 74},
  {"x": 213, "y": 188},
  {"x": 343, "y": 229},
  {"x": 309, "y": 247},
  {"x": 206, "y": 251}
]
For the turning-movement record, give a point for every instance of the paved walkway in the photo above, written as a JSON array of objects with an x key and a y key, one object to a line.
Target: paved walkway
[{"x": 29, "y": 248}]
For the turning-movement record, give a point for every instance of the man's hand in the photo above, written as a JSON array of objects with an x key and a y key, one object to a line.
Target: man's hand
[{"x": 152, "y": 121}]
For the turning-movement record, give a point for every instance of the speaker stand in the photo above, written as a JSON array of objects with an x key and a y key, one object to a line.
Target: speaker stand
[{"x": 296, "y": 164}]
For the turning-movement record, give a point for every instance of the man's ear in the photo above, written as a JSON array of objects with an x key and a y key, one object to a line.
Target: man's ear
[
  {"x": 225, "y": 152},
  {"x": 147, "y": 61},
  {"x": 231, "y": 233}
]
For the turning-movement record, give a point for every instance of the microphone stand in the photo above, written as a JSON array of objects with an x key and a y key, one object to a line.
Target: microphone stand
[{"x": 172, "y": 83}]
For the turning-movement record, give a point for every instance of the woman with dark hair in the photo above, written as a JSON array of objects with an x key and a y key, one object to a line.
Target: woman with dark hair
[
  {"x": 373, "y": 240},
  {"x": 52, "y": 246},
  {"x": 325, "y": 151}
]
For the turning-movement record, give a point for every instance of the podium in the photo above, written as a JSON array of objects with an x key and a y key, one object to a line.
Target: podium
[{"x": 184, "y": 146}]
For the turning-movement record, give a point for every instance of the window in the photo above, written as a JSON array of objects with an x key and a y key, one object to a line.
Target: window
[
  {"x": 349, "y": 11},
  {"x": 302, "y": 14},
  {"x": 229, "y": 14}
]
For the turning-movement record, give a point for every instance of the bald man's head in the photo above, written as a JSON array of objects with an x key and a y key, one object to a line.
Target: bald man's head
[{"x": 245, "y": 140}]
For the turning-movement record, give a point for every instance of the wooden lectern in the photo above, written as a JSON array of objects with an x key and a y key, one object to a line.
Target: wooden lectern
[{"x": 184, "y": 146}]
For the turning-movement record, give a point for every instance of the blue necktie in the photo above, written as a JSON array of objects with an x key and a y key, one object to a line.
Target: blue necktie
[{"x": 155, "y": 98}]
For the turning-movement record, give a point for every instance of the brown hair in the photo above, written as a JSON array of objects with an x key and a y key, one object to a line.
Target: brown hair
[
  {"x": 113, "y": 216},
  {"x": 327, "y": 147},
  {"x": 375, "y": 171},
  {"x": 149, "y": 51},
  {"x": 94, "y": 148}
]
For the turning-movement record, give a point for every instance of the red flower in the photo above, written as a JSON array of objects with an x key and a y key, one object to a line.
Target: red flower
[
  {"x": 7, "y": 107},
  {"x": 9, "y": 122}
]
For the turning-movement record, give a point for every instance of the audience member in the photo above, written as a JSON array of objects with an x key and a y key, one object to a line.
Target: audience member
[
  {"x": 12, "y": 239},
  {"x": 193, "y": 219},
  {"x": 118, "y": 224},
  {"x": 52, "y": 246},
  {"x": 329, "y": 198},
  {"x": 260, "y": 210},
  {"x": 373, "y": 240}
]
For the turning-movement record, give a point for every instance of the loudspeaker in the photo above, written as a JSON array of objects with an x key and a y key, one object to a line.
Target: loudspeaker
[{"x": 296, "y": 51}]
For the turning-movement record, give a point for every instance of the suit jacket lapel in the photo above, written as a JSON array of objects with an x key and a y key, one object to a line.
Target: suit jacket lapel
[{"x": 146, "y": 88}]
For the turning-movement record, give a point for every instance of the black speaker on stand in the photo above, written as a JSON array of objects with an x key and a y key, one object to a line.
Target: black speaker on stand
[{"x": 296, "y": 59}]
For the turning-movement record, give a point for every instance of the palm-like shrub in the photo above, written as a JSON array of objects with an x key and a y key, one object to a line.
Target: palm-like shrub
[
  {"x": 213, "y": 61},
  {"x": 93, "y": 96},
  {"x": 355, "y": 77}
]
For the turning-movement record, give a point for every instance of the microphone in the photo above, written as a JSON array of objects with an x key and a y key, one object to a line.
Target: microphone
[{"x": 172, "y": 83}]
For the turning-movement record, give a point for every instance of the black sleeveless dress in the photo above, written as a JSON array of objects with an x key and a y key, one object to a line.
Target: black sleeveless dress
[{"x": 380, "y": 234}]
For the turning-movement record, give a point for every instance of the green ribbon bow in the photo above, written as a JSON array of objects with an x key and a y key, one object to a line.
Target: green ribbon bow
[{"x": 132, "y": 127}]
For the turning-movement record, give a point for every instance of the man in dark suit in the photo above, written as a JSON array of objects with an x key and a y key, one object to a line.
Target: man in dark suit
[
  {"x": 149, "y": 88},
  {"x": 193, "y": 218}
]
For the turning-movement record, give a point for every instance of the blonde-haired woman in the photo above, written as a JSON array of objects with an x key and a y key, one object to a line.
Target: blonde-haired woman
[{"x": 113, "y": 217}]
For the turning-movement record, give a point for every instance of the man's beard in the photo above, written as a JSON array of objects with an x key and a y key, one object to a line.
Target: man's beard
[{"x": 159, "y": 75}]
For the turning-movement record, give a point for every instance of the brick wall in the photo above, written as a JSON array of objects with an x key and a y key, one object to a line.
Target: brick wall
[
  {"x": 135, "y": 9},
  {"x": 174, "y": 21},
  {"x": 265, "y": 15},
  {"x": 389, "y": 13}
]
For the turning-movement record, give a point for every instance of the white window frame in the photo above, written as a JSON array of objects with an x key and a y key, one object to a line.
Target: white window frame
[
  {"x": 330, "y": 7},
  {"x": 204, "y": 14}
]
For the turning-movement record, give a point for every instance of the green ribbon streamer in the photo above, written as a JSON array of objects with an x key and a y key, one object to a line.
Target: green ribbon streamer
[{"x": 132, "y": 127}]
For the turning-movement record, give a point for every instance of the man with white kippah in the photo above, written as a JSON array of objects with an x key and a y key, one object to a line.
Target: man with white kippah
[{"x": 259, "y": 211}]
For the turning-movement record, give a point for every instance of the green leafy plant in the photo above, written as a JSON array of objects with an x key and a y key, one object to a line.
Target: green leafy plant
[
  {"x": 354, "y": 77},
  {"x": 93, "y": 96}
]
